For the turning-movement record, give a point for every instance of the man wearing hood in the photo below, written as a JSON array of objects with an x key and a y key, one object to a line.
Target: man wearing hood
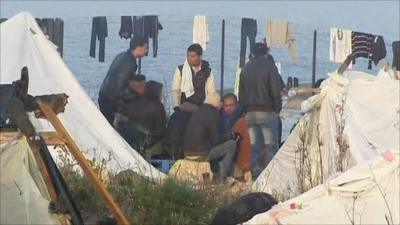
[{"x": 193, "y": 80}]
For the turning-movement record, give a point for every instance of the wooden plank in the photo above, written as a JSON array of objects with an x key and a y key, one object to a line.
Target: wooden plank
[{"x": 86, "y": 167}]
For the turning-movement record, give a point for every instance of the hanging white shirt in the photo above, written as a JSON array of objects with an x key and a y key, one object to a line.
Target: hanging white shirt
[
  {"x": 200, "y": 31},
  {"x": 340, "y": 45}
]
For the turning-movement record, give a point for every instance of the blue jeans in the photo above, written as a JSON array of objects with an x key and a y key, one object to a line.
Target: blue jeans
[{"x": 264, "y": 135}]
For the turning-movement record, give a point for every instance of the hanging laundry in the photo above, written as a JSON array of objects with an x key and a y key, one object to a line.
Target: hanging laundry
[
  {"x": 369, "y": 46},
  {"x": 280, "y": 34},
  {"x": 237, "y": 80},
  {"x": 147, "y": 27},
  {"x": 126, "y": 30},
  {"x": 53, "y": 29},
  {"x": 396, "y": 55},
  {"x": 340, "y": 45},
  {"x": 248, "y": 30},
  {"x": 200, "y": 31},
  {"x": 99, "y": 31}
]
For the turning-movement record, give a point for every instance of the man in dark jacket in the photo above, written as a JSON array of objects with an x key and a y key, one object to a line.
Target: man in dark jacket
[
  {"x": 260, "y": 95},
  {"x": 114, "y": 84},
  {"x": 203, "y": 140},
  {"x": 147, "y": 111}
]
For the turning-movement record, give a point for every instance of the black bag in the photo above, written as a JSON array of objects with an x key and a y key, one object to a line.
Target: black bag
[{"x": 244, "y": 209}]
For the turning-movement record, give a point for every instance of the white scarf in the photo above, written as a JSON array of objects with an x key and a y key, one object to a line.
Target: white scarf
[{"x": 187, "y": 82}]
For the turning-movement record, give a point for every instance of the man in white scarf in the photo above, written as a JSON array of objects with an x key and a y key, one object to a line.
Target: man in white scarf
[{"x": 193, "y": 80}]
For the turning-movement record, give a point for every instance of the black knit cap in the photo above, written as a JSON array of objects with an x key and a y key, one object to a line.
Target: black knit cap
[{"x": 259, "y": 48}]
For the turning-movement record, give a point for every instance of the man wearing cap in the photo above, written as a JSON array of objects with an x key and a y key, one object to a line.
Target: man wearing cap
[
  {"x": 123, "y": 66},
  {"x": 260, "y": 95}
]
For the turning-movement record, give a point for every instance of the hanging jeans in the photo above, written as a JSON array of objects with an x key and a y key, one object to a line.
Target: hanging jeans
[
  {"x": 264, "y": 132},
  {"x": 224, "y": 155},
  {"x": 99, "y": 31},
  {"x": 248, "y": 30}
]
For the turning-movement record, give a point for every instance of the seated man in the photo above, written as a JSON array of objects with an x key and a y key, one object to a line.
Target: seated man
[
  {"x": 144, "y": 116},
  {"x": 203, "y": 140},
  {"x": 230, "y": 112}
]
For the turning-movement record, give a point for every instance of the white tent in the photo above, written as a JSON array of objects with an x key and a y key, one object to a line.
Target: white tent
[
  {"x": 369, "y": 193},
  {"x": 354, "y": 119},
  {"x": 23, "y": 193},
  {"x": 24, "y": 44}
]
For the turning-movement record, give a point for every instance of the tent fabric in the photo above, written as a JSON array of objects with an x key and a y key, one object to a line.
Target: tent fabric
[
  {"x": 358, "y": 110},
  {"x": 24, "y": 44},
  {"x": 368, "y": 193},
  {"x": 23, "y": 193}
]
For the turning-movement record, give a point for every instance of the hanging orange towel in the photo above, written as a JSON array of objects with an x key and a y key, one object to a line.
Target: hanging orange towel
[{"x": 243, "y": 157}]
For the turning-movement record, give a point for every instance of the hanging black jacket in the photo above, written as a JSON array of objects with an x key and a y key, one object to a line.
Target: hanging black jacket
[
  {"x": 117, "y": 78},
  {"x": 126, "y": 30},
  {"x": 260, "y": 86}
]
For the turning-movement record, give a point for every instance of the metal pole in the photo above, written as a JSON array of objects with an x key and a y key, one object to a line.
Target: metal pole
[
  {"x": 314, "y": 58},
  {"x": 140, "y": 65},
  {"x": 222, "y": 57}
]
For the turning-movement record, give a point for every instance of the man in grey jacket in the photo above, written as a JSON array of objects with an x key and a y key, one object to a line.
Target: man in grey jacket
[
  {"x": 116, "y": 81},
  {"x": 260, "y": 95}
]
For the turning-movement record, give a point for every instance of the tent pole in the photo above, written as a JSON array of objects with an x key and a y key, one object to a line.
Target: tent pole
[
  {"x": 83, "y": 162},
  {"x": 314, "y": 58},
  {"x": 222, "y": 56}
]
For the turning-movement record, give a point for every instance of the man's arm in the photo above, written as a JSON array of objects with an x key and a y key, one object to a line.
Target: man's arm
[
  {"x": 275, "y": 89},
  {"x": 176, "y": 88}
]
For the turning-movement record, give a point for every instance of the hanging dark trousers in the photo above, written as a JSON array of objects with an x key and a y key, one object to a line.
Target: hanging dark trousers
[
  {"x": 99, "y": 31},
  {"x": 396, "y": 55},
  {"x": 54, "y": 30},
  {"x": 147, "y": 27},
  {"x": 248, "y": 30},
  {"x": 126, "y": 30}
]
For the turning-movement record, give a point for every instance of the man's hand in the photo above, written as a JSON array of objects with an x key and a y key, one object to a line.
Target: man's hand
[{"x": 236, "y": 137}]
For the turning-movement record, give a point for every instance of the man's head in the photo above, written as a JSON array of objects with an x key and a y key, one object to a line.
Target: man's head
[
  {"x": 259, "y": 49},
  {"x": 229, "y": 103},
  {"x": 194, "y": 55},
  {"x": 213, "y": 99},
  {"x": 138, "y": 46},
  {"x": 137, "y": 83}
]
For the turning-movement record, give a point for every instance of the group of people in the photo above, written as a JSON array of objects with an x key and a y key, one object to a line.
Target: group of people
[{"x": 235, "y": 131}]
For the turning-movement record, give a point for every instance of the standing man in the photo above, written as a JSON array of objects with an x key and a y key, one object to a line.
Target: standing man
[
  {"x": 260, "y": 94},
  {"x": 123, "y": 66},
  {"x": 193, "y": 80}
]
